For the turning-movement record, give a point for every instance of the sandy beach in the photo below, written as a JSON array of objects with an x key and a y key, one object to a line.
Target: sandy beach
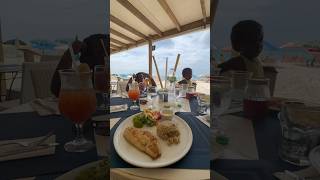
[{"x": 299, "y": 82}]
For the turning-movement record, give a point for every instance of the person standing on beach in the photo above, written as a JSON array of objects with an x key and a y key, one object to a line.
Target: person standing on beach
[
  {"x": 247, "y": 40},
  {"x": 92, "y": 53}
]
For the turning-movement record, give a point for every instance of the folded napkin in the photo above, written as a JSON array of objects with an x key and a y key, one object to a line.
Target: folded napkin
[
  {"x": 115, "y": 95},
  {"x": 124, "y": 95},
  {"x": 309, "y": 173},
  {"x": 16, "y": 151},
  {"x": 204, "y": 119},
  {"x": 118, "y": 108},
  {"x": 45, "y": 107}
]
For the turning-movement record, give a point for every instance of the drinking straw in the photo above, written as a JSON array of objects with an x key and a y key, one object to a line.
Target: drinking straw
[
  {"x": 155, "y": 63},
  {"x": 165, "y": 81},
  {"x": 104, "y": 50},
  {"x": 104, "y": 47},
  {"x": 176, "y": 65},
  {"x": 73, "y": 59}
]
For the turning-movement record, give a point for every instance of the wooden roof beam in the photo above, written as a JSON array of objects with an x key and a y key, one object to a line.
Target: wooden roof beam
[
  {"x": 117, "y": 42},
  {"x": 139, "y": 15},
  {"x": 203, "y": 9},
  {"x": 167, "y": 34},
  {"x": 114, "y": 46},
  {"x": 127, "y": 27},
  {"x": 169, "y": 12},
  {"x": 116, "y": 33}
]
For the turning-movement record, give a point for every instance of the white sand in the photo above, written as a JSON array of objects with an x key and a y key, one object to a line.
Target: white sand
[{"x": 299, "y": 82}]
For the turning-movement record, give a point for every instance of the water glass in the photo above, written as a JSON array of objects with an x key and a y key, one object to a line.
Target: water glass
[
  {"x": 221, "y": 97},
  {"x": 239, "y": 82},
  {"x": 203, "y": 103}
]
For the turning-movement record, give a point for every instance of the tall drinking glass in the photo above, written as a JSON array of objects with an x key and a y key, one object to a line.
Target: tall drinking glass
[
  {"x": 100, "y": 83},
  {"x": 152, "y": 94},
  {"x": 77, "y": 102},
  {"x": 221, "y": 98},
  {"x": 134, "y": 94},
  {"x": 239, "y": 82}
]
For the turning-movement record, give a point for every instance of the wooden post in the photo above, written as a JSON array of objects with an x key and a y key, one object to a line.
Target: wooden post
[
  {"x": 2, "y": 76},
  {"x": 150, "y": 58}
]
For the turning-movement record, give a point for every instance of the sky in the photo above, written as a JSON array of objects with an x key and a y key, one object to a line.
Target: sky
[
  {"x": 283, "y": 20},
  {"x": 52, "y": 19},
  {"x": 193, "y": 47}
]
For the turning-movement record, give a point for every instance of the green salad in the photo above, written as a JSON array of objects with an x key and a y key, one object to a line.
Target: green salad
[
  {"x": 140, "y": 120},
  {"x": 98, "y": 172}
]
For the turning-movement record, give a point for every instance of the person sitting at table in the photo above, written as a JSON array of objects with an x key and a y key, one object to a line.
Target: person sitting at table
[
  {"x": 187, "y": 76},
  {"x": 92, "y": 53},
  {"x": 247, "y": 40},
  {"x": 140, "y": 77}
]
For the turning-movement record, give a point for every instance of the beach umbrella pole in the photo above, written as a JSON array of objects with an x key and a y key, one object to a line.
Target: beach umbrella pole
[{"x": 155, "y": 64}]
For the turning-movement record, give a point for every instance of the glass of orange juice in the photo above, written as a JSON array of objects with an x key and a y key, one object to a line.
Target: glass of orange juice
[
  {"x": 77, "y": 102},
  {"x": 134, "y": 94}
]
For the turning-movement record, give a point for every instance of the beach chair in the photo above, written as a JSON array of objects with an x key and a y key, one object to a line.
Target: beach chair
[{"x": 36, "y": 80}]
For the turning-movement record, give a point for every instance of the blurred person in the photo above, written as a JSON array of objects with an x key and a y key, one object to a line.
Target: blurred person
[
  {"x": 91, "y": 52},
  {"x": 247, "y": 40},
  {"x": 140, "y": 77}
]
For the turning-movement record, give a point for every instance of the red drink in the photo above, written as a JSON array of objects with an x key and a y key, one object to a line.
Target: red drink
[
  {"x": 77, "y": 105},
  {"x": 255, "y": 109},
  {"x": 190, "y": 95},
  {"x": 134, "y": 94}
]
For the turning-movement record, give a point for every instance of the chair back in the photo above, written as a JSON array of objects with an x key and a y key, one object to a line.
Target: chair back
[
  {"x": 121, "y": 88},
  {"x": 36, "y": 80}
]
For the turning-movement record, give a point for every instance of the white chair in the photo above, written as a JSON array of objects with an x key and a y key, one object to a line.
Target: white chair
[{"x": 36, "y": 80}]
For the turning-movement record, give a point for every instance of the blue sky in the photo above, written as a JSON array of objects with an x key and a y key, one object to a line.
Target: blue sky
[{"x": 193, "y": 47}]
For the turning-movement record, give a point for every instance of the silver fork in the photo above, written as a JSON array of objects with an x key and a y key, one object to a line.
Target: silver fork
[{"x": 32, "y": 143}]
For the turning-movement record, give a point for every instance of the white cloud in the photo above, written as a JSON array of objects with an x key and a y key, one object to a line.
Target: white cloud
[{"x": 194, "y": 49}]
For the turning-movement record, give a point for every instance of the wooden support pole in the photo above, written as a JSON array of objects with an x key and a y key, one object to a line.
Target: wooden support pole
[
  {"x": 150, "y": 58},
  {"x": 155, "y": 64},
  {"x": 2, "y": 76}
]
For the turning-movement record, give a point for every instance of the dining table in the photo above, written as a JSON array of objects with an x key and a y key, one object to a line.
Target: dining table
[
  {"x": 23, "y": 122},
  {"x": 267, "y": 134}
]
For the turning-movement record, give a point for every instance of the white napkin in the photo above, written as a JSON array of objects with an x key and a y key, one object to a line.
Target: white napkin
[
  {"x": 37, "y": 151},
  {"x": 204, "y": 119},
  {"x": 242, "y": 143},
  {"x": 118, "y": 108},
  {"x": 309, "y": 173},
  {"x": 45, "y": 107}
]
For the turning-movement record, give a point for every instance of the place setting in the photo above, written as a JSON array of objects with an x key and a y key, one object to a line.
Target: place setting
[{"x": 165, "y": 127}]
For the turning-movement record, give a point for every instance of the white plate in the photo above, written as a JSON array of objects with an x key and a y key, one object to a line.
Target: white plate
[
  {"x": 75, "y": 172},
  {"x": 169, "y": 154},
  {"x": 314, "y": 158}
]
